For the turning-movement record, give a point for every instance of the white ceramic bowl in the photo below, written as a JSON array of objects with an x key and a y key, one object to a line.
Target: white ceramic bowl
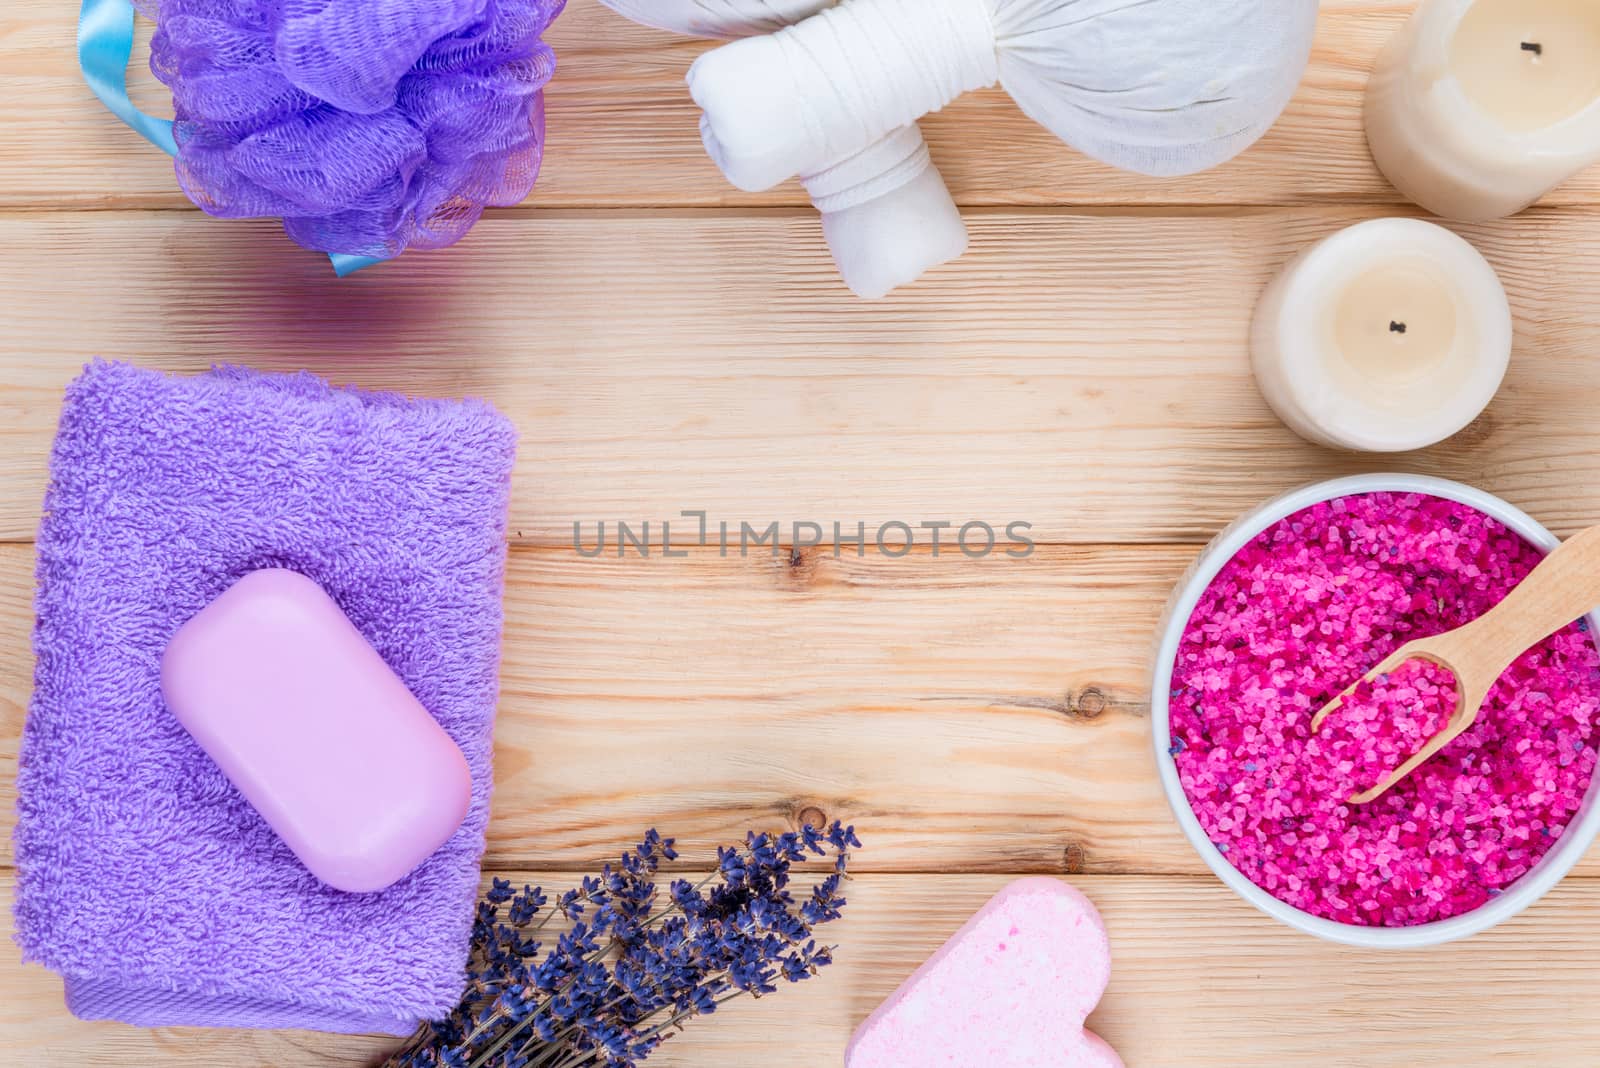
[{"x": 1580, "y": 833}]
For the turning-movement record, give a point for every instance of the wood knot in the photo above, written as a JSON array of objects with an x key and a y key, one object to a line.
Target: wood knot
[
  {"x": 1092, "y": 703},
  {"x": 799, "y": 567},
  {"x": 811, "y": 816},
  {"x": 1073, "y": 859}
]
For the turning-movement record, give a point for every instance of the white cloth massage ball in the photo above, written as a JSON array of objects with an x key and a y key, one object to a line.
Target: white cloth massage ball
[
  {"x": 1162, "y": 87},
  {"x": 886, "y": 212}
]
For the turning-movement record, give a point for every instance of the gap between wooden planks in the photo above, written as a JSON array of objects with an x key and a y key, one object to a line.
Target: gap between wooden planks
[
  {"x": 967, "y": 716},
  {"x": 1199, "y": 980},
  {"x": 622, "y": 130},
  {"x": 1084, "y": 372}
]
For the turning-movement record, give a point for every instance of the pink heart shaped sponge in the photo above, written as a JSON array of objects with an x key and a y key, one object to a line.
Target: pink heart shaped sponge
[{"x": 1012, "y": 988}]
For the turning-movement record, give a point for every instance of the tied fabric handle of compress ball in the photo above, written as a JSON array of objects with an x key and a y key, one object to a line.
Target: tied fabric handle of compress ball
[{"x": 105, "y": 45}]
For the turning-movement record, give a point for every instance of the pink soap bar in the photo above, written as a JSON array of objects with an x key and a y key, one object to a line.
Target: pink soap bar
[
  {"x": 1011, "y": 988},
  {"x": 316, "y": 731}
]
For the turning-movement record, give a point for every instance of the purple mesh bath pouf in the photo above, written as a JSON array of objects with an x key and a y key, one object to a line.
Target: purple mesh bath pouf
[{"x": 368, "y": 126}]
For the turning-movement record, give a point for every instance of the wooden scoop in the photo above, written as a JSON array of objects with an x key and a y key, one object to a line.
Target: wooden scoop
[{"x": 1563, "y": 588}]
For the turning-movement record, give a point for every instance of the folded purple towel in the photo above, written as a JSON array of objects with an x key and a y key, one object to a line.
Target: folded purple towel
[{"x": 145, "y": 879}]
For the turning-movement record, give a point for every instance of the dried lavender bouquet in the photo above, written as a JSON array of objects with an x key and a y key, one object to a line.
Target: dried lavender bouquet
[{"x": 635, "y": 962}]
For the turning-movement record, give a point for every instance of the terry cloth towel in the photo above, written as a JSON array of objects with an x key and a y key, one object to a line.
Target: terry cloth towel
[{"x": 156, "y": 891}]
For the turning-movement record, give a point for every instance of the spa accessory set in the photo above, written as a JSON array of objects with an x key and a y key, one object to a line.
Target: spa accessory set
[{"x": 269, "y": 610}]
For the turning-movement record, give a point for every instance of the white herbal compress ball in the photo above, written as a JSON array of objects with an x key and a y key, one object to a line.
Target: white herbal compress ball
[
  {"x": 1162, "y": 87},
  {"x": 886, "y": 212}
]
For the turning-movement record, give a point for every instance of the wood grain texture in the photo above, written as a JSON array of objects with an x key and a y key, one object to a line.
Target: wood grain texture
[
  {"x": 1084, "y": 372},
  {"x": 1199, "y": 980},
  {"x": 978, "y": 716},
  {"x": 622, "y": 130}
]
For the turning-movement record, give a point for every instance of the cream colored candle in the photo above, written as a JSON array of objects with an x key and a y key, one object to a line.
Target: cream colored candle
[
  {"x": 1389, "y": 336},
  {"x": 1480, "y": 107}
]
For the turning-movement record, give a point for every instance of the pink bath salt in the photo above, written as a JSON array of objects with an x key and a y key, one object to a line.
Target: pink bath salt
[
  {"x": 1012, "y": 987},
  {"x": 1310, "y": 606},
  {"x": 1379, "y": 726}
]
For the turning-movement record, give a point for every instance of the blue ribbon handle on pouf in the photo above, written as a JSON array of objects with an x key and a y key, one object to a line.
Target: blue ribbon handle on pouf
[{"x": 105, "y": 45}]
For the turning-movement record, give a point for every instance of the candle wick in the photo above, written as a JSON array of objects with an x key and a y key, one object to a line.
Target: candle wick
[
  {"x": 1534, "y": 47},
  {"x": 1397, "y": 328}
]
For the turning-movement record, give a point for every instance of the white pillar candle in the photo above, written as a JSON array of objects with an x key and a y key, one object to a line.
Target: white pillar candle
[
  {"x": 1480, "y": 107},
  {"x": 1389, "y": 336}
]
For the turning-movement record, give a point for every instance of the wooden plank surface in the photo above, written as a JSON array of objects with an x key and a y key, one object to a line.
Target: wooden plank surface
[
  {"x": 996, "y": 717},
  {"x": 667, "y": 343},
  {"x": 623, "y": 130},
  {"x": 1084, "y": 372},
  {"x": 1201, "y": 981}
]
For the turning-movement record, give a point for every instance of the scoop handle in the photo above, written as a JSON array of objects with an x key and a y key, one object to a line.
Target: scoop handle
[{"x": 1563, "y": 588}]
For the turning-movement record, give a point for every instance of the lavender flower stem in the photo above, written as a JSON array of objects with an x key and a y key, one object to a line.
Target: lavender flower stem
[
  {"x": 500, "y": 1043},
  {"x": 677, "y": 1019},
  {"x": 637, "y": 962}
]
